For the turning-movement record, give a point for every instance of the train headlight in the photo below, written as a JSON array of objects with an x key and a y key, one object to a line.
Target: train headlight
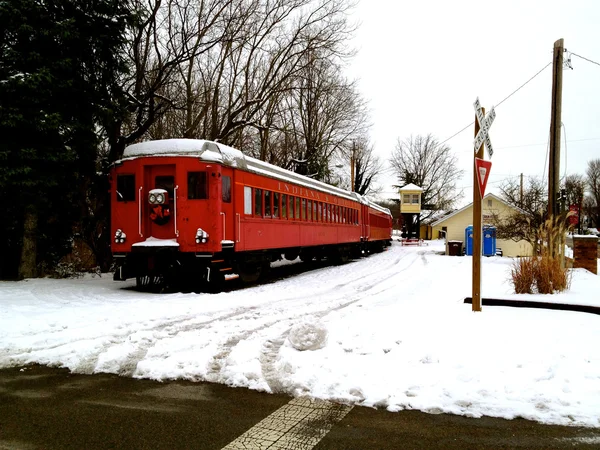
[
  {"x": 120, "y": 236},
  {"x": 157, "y": 197},
  {"x": 201, "y": 236}
]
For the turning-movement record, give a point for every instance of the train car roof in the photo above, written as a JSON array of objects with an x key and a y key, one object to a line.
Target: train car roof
[{"x": 210, "y": 151}]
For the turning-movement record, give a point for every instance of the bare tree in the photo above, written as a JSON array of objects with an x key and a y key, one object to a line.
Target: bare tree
[
  {"x": 593, "y": 184},
  {"x": 430, "y": 165},
  {"x": 262, "y": 76},
  {"x": 530, "y": 210}
]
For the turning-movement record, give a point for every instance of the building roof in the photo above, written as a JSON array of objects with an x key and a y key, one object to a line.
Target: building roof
[
  {"x": 411, "y": 187},
  {"x": 453, "y": 213}
]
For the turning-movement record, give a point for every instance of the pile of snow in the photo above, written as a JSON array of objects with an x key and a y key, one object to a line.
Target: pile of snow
[{"x": 309, "y": 334}]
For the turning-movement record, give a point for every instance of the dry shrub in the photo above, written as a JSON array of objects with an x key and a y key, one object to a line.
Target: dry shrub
[
  {"x": 539, "y": 275},
  {"x": 552, "y": 276},
  {"x": 522, "y": 275},
  {"x": 544, "y": 273}
]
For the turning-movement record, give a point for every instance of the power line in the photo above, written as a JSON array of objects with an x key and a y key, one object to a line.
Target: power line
[
  {"x": 523, "y": 85},
  {"x": 588, "y": 60},
  {"x": 503, "y": 100},
  {"x": 544, "y": 143}
]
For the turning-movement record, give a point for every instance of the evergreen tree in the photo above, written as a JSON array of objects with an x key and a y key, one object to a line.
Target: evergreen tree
[{"x": 59, "y": 66}]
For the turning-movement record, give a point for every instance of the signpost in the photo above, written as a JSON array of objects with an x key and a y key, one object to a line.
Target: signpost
[{"x": 481, "y": 173}]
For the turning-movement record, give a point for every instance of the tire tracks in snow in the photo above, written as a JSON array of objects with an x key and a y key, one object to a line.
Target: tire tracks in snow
[
  {"x": 271, "y": 345},
  {"x": 277, "y": 315}
]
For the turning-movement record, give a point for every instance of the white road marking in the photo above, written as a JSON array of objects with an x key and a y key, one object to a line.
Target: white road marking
[{"x": 299, "y": 425}]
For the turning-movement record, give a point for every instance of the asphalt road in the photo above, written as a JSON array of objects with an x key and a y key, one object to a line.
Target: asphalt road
[{"x": 46, "y": 408}]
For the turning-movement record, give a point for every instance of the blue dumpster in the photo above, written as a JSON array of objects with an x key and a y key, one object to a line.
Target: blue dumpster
[{"x": 489, "y": 240}]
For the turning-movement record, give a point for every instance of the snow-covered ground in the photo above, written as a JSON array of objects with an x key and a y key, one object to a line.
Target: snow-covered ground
[{"x": 389, "y": 331}]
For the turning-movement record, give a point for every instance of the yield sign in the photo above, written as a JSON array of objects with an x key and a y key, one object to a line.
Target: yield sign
[{"x": 482, "y": 169}]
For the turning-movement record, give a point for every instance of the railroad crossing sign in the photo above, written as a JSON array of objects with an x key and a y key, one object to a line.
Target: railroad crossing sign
[
  {"x": 482, "y": 169},
  {"x": 485, "y": 124}
]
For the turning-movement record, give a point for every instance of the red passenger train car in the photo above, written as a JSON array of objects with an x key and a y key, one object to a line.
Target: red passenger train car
[{"x": 185, "y": 209}]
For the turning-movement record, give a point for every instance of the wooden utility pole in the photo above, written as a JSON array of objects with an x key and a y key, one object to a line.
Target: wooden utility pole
[
  {"x": 521, "y": 193},
  {"x": 555, "y": 124},
  {"x": 352, "y": 157},
  {"x": 477, "y": 231}
]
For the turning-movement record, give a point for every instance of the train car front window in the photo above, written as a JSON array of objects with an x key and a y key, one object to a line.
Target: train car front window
[
  {"x": 166, "y": 182},
  {"x": 125, "y": 188},
  {"x": 197, "y": 186}
]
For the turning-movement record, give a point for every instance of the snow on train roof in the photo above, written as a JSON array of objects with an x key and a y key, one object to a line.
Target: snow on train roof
[
  {"x": 229, "y": 156},
  {"x": 206, "y": 150}
]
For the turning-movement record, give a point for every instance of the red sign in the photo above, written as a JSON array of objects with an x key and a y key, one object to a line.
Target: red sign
[
  {"x": 482, "y": 169},
  {"x": 574, "y": 219}
]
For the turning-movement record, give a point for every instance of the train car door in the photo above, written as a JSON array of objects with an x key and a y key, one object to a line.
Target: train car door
[
  {"x": 227, "y": 212},
  {"x": 159, "y": 217},
  {"x": 365, "y": 222}
]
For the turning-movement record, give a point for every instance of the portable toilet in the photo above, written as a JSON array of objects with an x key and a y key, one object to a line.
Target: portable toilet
[
  {"x": 469, "y": 240},
  {"x": 489, "y": 240}
]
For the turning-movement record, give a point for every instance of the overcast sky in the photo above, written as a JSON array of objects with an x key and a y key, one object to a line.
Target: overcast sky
[{"x": 422, "y": 64}]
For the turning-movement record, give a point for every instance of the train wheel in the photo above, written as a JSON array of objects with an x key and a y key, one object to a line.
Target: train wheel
[
  {"x": 306, "y": 256},
  {"x": 291, "y": 255},
  {"x": 249, "y": 273}
]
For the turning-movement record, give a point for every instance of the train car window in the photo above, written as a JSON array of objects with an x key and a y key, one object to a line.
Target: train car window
[
  {"x": 297, "y": 208},
  {"x": 197, "y": 185},
  {"x": 166, "y": 182},
  {"x": 291, "y": 208},
  {"x": 284, "y": 208},
  {"x": 311, "y": 214},
  {"x": 320, "y": 212},
  {"x": 303, "y": 209},
  {"x": 226, "y": 189},
  {"x": 276, "y": 205},
  {"x": 268, "y": 204},
  {"x": 258, "y": 201},
  {"x": 247, "y": 200},
  {"x": 125, "y": 188}
]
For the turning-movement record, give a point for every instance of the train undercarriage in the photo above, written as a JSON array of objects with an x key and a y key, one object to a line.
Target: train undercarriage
[{"x": 167, "y": 269}]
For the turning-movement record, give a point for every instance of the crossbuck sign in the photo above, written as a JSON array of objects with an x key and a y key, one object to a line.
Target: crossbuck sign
[{"x": 485, "y": 124}]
